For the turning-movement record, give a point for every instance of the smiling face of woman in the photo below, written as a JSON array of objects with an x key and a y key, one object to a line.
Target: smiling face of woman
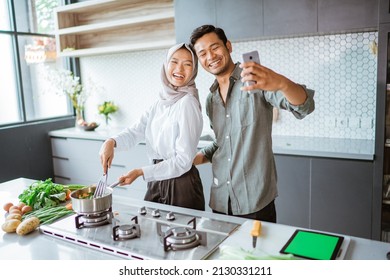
[{"x": 180, "y": 67}]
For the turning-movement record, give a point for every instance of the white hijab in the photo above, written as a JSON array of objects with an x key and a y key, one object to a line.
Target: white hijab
[{"x": 170, "y": 93}]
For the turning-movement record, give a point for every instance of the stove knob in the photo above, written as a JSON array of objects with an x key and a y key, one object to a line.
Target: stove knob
[
  {"x": 156, "y": 213},
  {"x": 170, "y": 216},
  {"x": 142, "y": 210}
]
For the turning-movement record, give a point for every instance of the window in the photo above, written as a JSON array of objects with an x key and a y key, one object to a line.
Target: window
[{"x": 28, "y": 51}]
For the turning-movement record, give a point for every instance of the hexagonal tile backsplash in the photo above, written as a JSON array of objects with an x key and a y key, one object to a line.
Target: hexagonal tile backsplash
[{"x": 340, "y": 68}]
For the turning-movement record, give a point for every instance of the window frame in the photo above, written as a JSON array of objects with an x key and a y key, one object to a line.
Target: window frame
[{"x": 71, "y": 64}]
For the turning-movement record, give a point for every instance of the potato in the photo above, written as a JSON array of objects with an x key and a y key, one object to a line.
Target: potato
[
  {"x": 21, "y": 205},
  {"x": 13, "y": 207},
  {"x": 14, "y": 216},
  {"x": 15, "y": 211},
  {"x": 27, "y": 226},
  {"x": 26, "y": 209},
  {"x": 7, "y": 206},
  {"x": 10, "y": 225}
]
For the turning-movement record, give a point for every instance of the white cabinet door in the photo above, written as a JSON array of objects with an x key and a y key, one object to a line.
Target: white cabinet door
[
  {"x": 76, "y": 161},
  {"x": 79, "y": 171},
  {"x": 72, "y": 148},
  {"x": 60, "y": 147}
]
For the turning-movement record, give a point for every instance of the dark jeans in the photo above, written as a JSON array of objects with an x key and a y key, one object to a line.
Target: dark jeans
[{"x": 267, "y": 214}]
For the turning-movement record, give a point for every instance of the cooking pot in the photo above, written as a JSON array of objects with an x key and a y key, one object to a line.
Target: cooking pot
[{"x": 91, "y": 205}]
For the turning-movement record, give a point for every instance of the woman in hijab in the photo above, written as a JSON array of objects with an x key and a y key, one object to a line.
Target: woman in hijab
[{"x": 171, "y": 129}]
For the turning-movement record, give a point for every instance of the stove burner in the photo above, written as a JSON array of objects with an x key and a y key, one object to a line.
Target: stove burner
[
  {"x": 125, "y": 232},
  {"x": 180, "y": 238},
  {"x": 93, "y": 220}
]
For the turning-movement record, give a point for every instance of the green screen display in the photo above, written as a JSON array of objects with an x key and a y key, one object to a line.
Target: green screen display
[{"x": 313, "y": 245}]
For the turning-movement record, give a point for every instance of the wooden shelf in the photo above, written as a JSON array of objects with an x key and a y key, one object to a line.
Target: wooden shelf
[
  {"x": 119, "y": 49},
  {"x": 112, "y": 26}
]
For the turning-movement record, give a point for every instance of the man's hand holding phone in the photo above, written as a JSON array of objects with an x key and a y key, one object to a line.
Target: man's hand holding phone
[
  {"x": 249, "y": 59},
  {"x": 255, "y": 76}
]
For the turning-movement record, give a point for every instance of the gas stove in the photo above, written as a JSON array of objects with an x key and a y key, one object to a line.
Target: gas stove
[{"x": 139, "y": 232}]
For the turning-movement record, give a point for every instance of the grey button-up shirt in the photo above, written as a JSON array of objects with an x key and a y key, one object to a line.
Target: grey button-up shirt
[{"x": 242, "y": 158}]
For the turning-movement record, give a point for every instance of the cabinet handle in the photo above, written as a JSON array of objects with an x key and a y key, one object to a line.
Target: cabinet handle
[
  {"x": 62, "y": 177},
  {"x": 118, "y": 165},
  {"x": 63, "y": 158}
]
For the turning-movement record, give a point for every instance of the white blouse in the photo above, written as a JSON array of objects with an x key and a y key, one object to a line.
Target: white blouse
[{"x": 171, "y": 133}]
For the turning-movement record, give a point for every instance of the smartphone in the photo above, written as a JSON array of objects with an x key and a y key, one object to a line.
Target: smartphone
[{"x": 251, "y": 56}]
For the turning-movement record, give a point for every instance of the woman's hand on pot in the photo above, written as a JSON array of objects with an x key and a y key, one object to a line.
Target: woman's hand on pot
[
  {"x": 107, "y": 154},
  {"x": 130, "y": 177}
]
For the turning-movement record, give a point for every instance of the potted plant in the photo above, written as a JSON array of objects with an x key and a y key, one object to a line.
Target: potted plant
[{"x": 107, "y": 108}]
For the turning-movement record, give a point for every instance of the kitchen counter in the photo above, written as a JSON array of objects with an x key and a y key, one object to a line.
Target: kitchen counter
[
  {"x": 97, "y": 134},
  {"x": 359, "y": 149},
  {"x": 274, "y": 236}
]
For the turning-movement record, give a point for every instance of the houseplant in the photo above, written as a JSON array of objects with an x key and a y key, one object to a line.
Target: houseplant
[
  {"x": 63, "y": 81},
  {"x": 107, "y": 108}
]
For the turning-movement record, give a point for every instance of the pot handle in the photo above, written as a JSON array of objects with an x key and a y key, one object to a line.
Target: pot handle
[{"x": 114, "y": 184}]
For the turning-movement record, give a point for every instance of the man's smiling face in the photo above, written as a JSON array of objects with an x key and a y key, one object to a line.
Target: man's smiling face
[{"x": 213, "y": 55}]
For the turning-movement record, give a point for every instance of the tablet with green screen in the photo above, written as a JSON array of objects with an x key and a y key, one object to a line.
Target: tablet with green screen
[{"x": 313, "y": 245}]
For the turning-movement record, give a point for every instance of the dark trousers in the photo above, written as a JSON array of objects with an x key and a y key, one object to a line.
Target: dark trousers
[
  {"x": 267, "y": 214},
  {"x": 184, "y": 191}
]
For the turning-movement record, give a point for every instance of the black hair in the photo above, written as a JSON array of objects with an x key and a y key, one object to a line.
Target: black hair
[{"x": 205, "y": 29}]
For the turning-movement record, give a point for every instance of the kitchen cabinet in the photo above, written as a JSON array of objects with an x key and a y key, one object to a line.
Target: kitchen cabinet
[
  {"x": 249, "y": 15},
  {"x": 293, "y": 201},
  {"x": 239, "y": 19},
  {"x": 382, "y": 168},
  {"x": 384, "y": 11},
  {"x": 341, "y": 196},
  {"x": 251, "y": 19},
  {"x": 325, "y": 194},
  {"x": 190, "y": 14},
  {"x": 76, "y": 161},
  {"x": 283, "y": 17},
  {"x": 347, "y": 15},
  {"x": 108, "y": 26}
]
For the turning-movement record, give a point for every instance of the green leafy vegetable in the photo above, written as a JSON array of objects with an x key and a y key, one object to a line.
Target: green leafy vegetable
[
  {"x": 60, "y": 196},
  {"x": 46, "y": 193}
]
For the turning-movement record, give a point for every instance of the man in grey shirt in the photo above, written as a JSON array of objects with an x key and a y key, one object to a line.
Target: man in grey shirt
[{"x": 244, "y": 173}]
